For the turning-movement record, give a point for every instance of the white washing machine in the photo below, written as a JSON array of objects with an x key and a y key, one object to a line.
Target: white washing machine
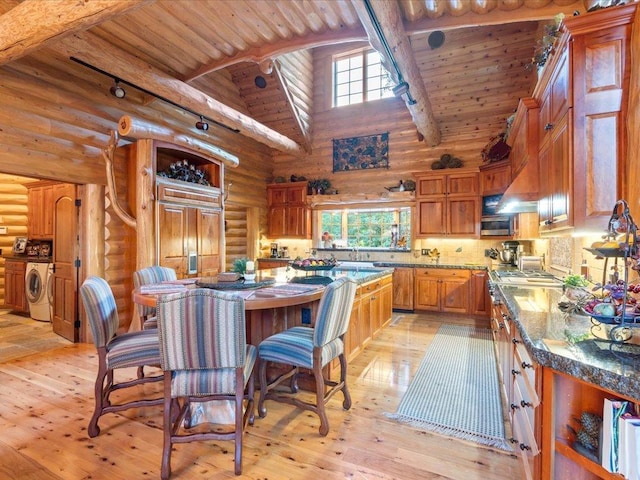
[{"x": 36, "y": 282}]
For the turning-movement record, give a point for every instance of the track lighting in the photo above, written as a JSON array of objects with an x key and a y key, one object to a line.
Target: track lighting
[
  {"x": 116, "y": 90},
  {"x": 202, "y": 125}
]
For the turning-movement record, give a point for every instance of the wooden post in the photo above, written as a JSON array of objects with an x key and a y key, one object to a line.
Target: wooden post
[
  {"x": 633, "y": 120},
  {"x": 145, "y": 204}
]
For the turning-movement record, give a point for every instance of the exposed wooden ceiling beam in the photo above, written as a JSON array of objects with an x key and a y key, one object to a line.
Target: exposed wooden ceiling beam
[
  {"x": 392, "y": 32},
  {"x": 33, "y": 23},
  {"x": 102, "y": 55},
  {"x": 269, "y": 51}
]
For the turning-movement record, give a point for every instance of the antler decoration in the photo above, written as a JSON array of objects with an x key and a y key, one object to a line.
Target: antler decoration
[{"x": 107, "y": 154}]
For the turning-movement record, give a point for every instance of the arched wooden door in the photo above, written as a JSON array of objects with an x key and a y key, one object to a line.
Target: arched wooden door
[{"x": 65, "y": 260}]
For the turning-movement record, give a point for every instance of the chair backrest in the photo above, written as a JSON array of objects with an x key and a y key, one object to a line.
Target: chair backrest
[
  {"x": 334, "y": 311},
  {"x": 101, "y": 309},
  {"x": 151, "y": 275},
  {"x": 201, "y": 329}
]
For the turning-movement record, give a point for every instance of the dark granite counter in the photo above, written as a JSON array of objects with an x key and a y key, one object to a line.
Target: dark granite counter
[
  {"x": 458, "y": 266},
  {"x": 359, "y": 274},
  {"x": 566, "y": 342}
]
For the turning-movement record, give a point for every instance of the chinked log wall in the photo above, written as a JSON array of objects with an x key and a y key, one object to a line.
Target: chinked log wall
[{"x": 55, "y": 120}]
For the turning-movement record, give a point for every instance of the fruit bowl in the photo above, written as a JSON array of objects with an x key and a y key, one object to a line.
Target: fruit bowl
[
  {"x": 312, "y": 268},
  {"x": 313, "y": 264}
]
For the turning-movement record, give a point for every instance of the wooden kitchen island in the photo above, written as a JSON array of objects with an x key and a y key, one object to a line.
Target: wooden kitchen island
[{"x": 290, "y": 301}]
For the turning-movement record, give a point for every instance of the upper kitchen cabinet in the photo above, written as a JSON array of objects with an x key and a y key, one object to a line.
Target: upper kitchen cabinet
[
  {"x": 40, "y": 210},
  {"x": 495, "y": 177},
  {"x": 448, "y": 204},
  {"x": 289, "y": 215},
  {"x": 583, "y": 103},
  {"x": 523, "y": 140}
]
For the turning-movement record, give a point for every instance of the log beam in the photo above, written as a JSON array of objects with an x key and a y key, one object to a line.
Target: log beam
[
  {"x": 392, "y": 32},
  {"x": 100, "y": 54},
  {"x": 33, "y": 23}
]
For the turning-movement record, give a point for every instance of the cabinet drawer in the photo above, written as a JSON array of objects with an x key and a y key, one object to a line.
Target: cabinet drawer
[
  {"x": 189, "y": 195},
  {"x": 443, "y": 272},
  {"x": 523, "y": 421}
]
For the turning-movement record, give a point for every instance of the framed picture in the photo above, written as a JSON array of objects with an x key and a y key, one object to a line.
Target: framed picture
[
  {"x": 20, "y": 245},
  {"x": 361, "y": 153}
]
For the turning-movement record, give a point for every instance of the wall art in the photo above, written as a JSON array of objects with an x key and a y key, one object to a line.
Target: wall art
[{"x": 361, "y": 153}]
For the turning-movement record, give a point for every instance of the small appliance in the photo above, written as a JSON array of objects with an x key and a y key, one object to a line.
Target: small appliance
[
  {"x": 492, "y": 223},
  {"x": 509, "y": 253},
  {"x": 274, "y": 250}
]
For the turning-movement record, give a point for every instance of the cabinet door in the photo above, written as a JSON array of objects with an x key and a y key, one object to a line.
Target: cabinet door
[
  {"x": 386, "y": 303},
  {"x": 463, "y": 184},
  {"x": 431, "y": 218},
  {"x": 365, "y": 319},
  {"x": 278, "y": 221},
  {"x": 455, "y": 295},
  {"x": 296, "y": 221},
  {"x": 479, "y": 298},
  {"x": 14, "y": 288},
  {"x": 352, "y": 337},
  {"x": 427, "y": 292},
  {"x": 431, "y": 185},
  {"x": 172, "y": 237},
  {"x": 495, "y": 179},
  {"x": 276, "y": 195},
  {"x": 403, "y": 288},
  {"x": 463, "y": 216},
  {"x": 209, "y": 230}
]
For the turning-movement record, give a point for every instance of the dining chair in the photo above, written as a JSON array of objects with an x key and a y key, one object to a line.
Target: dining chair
[
  {"x": 133, "y": 349},
  {"x": 205, "y": 357},
  {"x": 149, "y": 276},
  {"x": 311, "y": 348}
]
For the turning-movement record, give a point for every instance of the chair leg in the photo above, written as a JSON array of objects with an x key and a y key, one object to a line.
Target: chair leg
[
  {"x": 346, "y": 404},
  {"x": 324, "y": 421},
  {"x": 100, "y": 393},
  {"x": 165, "y": 470},
  {"x": 262, "y": 412}
]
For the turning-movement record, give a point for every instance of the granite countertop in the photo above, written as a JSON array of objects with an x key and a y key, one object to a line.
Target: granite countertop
[
  {"x": 453, "y": 266},
  {"x": 564, "y": 342},
  {"x": 360, "y": 275}
]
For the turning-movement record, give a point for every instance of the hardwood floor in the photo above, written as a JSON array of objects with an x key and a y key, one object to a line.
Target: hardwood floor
[{"x": 46, "y": 400}]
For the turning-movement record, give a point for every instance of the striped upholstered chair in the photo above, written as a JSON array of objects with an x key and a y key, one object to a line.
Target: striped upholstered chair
[
  {"x": 134, "y": 349},
  {"x": 205, "y": 357},
  {"x": 149, "y": 276},
  {"x": 312, "y": 348}
]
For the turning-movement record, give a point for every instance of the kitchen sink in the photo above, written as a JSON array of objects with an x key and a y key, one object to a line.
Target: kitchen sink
[{"x": 355, "y": 264}]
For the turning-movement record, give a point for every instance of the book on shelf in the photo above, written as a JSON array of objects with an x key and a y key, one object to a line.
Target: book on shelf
[
  {"x": 612, "y": 411},
  {"x": 628, "y": 444}
]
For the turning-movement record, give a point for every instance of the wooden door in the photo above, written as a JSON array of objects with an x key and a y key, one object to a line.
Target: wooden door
[
  {"x": 479, "y": 298},
  {"x": 427, "y": 291},
  {"x": 463, "y": 217},
  {"x": 66, "y": 264},
  {"x": 172, "y": 234},
  {"x": 431, "y": 217},
  {"x": 561, "y": 174},
  {"x": 14, "y": 287},
  {"x": 403, "y": 288},
  {"x": 209, "y": 231},
  {"x": 352, "y": 337},
  {"x": 277, "y": 221},
  {"x": 455, "y": 295},
  {"x": 366, "y": 314}
]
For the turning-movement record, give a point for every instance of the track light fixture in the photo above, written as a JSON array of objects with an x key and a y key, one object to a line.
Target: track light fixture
[
  {"x": 202, "y": 125},
  {"x": 116, "y": 90}
]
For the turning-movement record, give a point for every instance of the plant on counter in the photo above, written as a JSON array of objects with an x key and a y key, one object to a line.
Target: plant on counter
[
  {"x": 240, "y": 265},
  {"x": 320, "y": 185},
  {"x": 575, "y": 281}
]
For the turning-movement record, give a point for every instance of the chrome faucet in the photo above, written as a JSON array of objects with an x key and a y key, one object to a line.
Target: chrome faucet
[{"x": 355, "y": 254}]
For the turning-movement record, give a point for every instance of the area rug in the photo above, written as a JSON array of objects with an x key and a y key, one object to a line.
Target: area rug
[{"x": 455, "y": 391}]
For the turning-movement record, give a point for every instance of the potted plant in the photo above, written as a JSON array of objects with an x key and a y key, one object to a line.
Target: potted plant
[
  {"x": 322, "y": 185},
  {"x": 573, "y": 286}
]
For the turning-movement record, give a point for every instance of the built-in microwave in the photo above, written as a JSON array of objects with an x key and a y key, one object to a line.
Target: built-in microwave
[{"x": 496, "y": 225}]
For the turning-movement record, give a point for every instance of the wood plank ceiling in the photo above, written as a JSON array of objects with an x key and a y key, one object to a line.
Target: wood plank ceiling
[{"x": 191, "y": 47}]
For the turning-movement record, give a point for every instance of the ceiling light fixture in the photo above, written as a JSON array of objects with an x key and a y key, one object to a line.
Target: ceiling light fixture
[
  {"x": 202, "y": 125},
  {"x": 116, "y": 90}
]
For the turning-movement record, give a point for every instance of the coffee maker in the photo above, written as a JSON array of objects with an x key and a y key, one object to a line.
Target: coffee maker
[
  {"x": 509, "y": 253},
  {"x": 274, "y": 250}
]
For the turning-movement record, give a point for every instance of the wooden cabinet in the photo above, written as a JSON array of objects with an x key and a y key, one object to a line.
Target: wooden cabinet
[
  {"x": 495, "y": 178},
  {"x": 448, "y": 205},
  {"x": 521, "y": 388},
  {"x": 14, "y": 288},
  {"x": 442, "y": 289},
  {"x": 403, "y": 288},
  {"x": 264, "y": 264},
  {"x": 40, "y": 200},
  {"x": 524, "y": 136},
  {"x": 189, "y": 222},
  {"x": 559, "y": 459},
  {"x": 479, "y": 301},
  {"x": 288, "y": 215},
  {"x": 525, "y": 226},
  {"x": 583, "y": 142}
]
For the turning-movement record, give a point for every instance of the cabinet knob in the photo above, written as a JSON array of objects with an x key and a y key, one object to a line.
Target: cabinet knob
[
  {"x": 515, "y": 341},
  {"x": 501, "y": 325},
  {"x": 506, "y": 317},
  {"x": 548, "y": 222},
  {"x": 548, "y": 126},
  {"x": 513, "y": 440},
  {"x": 524, "y": 447},
  {"x": 514, "y": 406},
  {"x": 515, "y": 372},
  {"x": 526, "y": 404},
  {"x": 526, "y": 365}
]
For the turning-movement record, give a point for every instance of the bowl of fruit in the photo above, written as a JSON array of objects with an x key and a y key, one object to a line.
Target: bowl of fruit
[
  {"x": 313, "y": 264},
  {"x": 615, "y": 304}
]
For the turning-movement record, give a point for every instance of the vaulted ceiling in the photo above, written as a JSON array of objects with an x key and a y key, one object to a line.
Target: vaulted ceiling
[{"x": 182, "y": 50}]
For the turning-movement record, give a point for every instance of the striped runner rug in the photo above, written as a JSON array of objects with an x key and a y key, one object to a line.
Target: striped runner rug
[{"x": 455, "y": 391}]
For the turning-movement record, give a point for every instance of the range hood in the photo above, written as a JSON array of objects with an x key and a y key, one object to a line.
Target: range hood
[{"x": 523, "y": 194}]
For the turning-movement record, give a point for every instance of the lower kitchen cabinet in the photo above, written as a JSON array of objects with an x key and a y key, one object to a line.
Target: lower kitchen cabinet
[
  {"x": 565, "y": 399},
  {"x": 442, "y": 289},
  {"x": 14, "y": 289},
  {"x": 403, "y": 279},
  {"x": 479, "y": 300}
]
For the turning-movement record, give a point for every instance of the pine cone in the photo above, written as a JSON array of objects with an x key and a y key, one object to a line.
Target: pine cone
[{"x": 591, "y": 424}]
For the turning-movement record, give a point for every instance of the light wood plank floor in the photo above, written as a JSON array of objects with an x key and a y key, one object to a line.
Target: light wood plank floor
[{"x": 46, "y": 400}]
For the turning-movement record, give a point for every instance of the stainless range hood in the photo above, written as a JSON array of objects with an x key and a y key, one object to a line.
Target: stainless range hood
[{"x": 523, "y": 194}]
